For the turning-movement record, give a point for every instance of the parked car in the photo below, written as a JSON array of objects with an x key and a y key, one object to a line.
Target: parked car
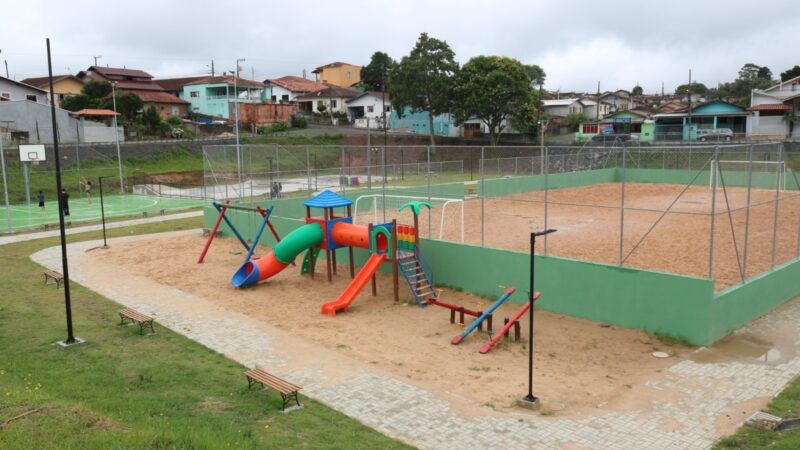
[
  {"x": 714, "y": 134},
  {"x": 611, "y": 138}
]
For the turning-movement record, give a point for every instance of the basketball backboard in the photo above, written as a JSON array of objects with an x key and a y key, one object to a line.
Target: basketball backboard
[{"x": 31, "y": 152}]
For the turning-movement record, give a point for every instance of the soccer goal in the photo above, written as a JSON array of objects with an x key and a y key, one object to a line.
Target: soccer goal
[
  {"x": 449, "y": 212},
  {"x": 736, "y": 172}
]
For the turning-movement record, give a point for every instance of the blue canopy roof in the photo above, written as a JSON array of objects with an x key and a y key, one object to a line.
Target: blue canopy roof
[{"x": 328, "y": 199}]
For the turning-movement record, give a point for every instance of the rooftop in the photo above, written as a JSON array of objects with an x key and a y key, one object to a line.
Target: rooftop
[
  {"x": 229, "y": 80},
  {"x": 159, "y": 97},
  {"x": 330, "y": 92},
  {"x": 560, "y": 102},
  {"x": 331, "y": 66},
  {"x": 176, "y": 84},
  {"x": 112, "y": 72},
  {"x": 328, "y": 199},
  {"x": 296, "y": 84},
  {"x": 44, "y": 82},
  {"x": 380, "y": 95},
  {"x": 95, "y": 113},
  {"x": 19, "y": 83},
  {"x": 770, "y": 107}
]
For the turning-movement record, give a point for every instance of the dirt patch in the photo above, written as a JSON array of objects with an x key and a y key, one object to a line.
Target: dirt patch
[
  {"x": 579, "y": 365},
  {"x": 191, "y": 177}
]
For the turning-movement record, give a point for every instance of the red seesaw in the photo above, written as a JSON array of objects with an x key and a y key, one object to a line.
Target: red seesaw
[
  {"x": 488, "y": 346},
  {"x": 461, "y": 311}
]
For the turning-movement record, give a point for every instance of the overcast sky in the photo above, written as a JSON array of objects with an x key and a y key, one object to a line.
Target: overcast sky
[{"x": 578, "y": 43}]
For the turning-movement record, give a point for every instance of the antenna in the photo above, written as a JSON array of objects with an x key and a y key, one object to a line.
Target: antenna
[{"x": 96, "y": 58}]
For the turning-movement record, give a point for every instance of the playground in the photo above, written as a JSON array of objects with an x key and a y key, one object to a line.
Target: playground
[{"x": 578, "y": 364}]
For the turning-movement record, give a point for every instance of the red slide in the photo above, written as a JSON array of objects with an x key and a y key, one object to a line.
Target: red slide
[{"x": 355, "y": 286}]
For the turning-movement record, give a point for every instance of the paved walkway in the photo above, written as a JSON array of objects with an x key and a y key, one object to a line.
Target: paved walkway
[
  {"x": 697, "y": 399},
  {"x": 14, "y": 238}
]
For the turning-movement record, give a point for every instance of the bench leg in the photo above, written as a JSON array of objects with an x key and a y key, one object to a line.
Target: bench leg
[
  {"x": 121, "y": 320},
  {"x": 288, "y": 398}
]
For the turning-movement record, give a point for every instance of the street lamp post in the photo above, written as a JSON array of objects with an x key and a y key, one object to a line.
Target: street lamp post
[
  {"x": 236, "y": 113},
  {"x": 116, "y": 137},
  {"x": 5, "y": 182}
]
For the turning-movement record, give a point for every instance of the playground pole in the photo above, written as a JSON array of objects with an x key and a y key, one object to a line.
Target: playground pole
[
  {"x": 530, "y": 400},
  {"x": 5, "y": 182}
]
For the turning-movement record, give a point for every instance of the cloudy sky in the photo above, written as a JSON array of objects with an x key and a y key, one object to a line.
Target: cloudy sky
[{"x": 578, "y": 43}]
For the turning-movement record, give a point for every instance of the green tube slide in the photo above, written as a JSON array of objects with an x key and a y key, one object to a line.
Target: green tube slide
[{"x": 297, "y": 242}]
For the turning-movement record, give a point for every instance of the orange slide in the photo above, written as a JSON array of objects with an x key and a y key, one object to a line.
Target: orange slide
[{"x": 355, "y": 286}]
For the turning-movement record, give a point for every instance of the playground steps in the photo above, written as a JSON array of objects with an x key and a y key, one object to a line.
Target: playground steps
[
  {"x": 306, "y": 267},
  {"x": 416, "y": 277}
]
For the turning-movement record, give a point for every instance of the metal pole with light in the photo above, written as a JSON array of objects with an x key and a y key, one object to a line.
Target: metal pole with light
[
  {"x": 71, "y": 339},
  {"x": 530, "y": 400},
  {"x": 5, "y": 182},
  {"x": 236, "y": 113},
  {"x": 116, "y": 137}
]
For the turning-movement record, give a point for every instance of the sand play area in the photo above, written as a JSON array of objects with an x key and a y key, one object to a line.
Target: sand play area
[{"x": 579, "y": 365}]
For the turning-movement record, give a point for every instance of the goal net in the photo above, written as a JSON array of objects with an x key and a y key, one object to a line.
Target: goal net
[
  {"x": 763, "y": 174},
  {"x": 445, "y": 220}
]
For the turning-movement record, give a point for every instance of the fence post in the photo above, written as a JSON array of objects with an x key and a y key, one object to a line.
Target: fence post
[
  {"x": 622, "y": 208},
  {"x": 482, "y": 195},
  {"x": 546, "y": 167},
  {"x": 747, "y": 208},
  {"x": 715, "y": 168},
  {"x": 308, "y": 168},
  {"x": 342, "y": 183},
  {"x": 778, "y": 177}
]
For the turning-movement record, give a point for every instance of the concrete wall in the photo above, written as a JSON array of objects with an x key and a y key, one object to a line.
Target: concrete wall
[
  {"x": 758, "y": 125},
  {"x": 265, "y": 113},
  {"x": 35, "y": 119}
]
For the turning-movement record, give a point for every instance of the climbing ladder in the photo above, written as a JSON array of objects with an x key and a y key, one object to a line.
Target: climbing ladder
[{"x": 418, "y": 276}]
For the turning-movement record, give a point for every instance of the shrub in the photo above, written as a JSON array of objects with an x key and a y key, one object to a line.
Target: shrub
[
  {"x": 298, "y": 121},
  {"x": 279, "y": 126},
  {"x": 175, "y": 121}
]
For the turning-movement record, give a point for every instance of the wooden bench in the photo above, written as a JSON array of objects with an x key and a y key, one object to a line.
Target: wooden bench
[
  {"x": 287, "y": 390},
  {"x": 138, "y": 318},
  {"x": 53, "y": 275}
]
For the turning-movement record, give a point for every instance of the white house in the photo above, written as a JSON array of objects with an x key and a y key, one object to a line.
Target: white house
[
  {"x": 620, "y": 100},
  {"x": 563, "y": 107},
  {"x": 333, "y": 98},
  {"x": 369, "y": 107},
  {"x": 591, "y": 110},
  {"x": 286, "y": 89},
  {"x": 11, "y": 90},
  {"x": 775, "y": 111}
]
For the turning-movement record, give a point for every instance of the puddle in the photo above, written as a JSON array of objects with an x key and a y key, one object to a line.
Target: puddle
[{"x": 744, "y": 347}]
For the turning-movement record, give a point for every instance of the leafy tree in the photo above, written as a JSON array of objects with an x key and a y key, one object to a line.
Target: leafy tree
[
  {"x": 374, "y": 73},
  {"x": 151, "y": 119},
  {"x": 321, "y": 107},
  {"x": 637, "y": 90},
  {"x": 536, "y": 74},
  {"x": 525, "y": 117},
  {"x": 696, "y": 88},
  {"x": 128, "y": 105},
  {"x": 77, "y": 102},
  {"x": 492, "y": 89},
  {"x": 423, "y": 80},
  {"x": 575, "y": 119},
  {"x": 764, "y": 73},
  {"x": 790, "y": 73},
  {"x": 174, "y": 121},
  {"x": 96, "y": 89}
]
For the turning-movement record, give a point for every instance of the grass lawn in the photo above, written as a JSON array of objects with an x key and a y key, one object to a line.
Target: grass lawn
[
  {"x": 787, "y": 404},
  {"x": 121, "y": 390}
]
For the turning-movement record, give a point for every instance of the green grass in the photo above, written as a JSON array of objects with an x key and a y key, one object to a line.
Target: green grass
[
  {"x": 321, "y": 139},
  {"x": 121, "y": 390},
  {"x": 786, "y": 404}
]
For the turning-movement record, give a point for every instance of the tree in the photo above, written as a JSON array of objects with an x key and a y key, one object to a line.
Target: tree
[
  {"x": 790, "y": 73},
  {"x": 525, "y": 117},
  {"x": 376, "y": 72},
  {"x": 696, "y": 88},
  {"x": 575, "y": 119},
  {"x": 128, "y": 105},
  {"x": 536, "y": 74},
  {"x": 77, "y": 102},
  {"x": 492, "y": 89},
  {"x": 764, "y": 73},
  {"x": 637, "y": 90},
  {"x": 423, "y": 80},
  {"x": 151, "y": 119},
  {"x": 96, "y": 89}
]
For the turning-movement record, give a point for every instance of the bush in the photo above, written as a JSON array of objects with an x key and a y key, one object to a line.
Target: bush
[
  {"x": 279, "y": 126},
  {"x": 298, "y": 121},
  {"x": 175, "y": 121}
]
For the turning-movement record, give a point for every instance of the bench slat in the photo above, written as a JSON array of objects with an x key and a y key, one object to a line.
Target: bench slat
[
  {"x": 261, "y": 376},
  {"x": 135, "y": 315}
]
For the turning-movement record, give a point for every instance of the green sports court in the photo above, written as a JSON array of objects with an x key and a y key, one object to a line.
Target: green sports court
[{"x": 23, "y": 216}]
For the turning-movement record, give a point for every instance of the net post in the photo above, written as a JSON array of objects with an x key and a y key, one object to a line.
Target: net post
[
  {"x": 621, "y": 210},
  {"x": 777, "y": 204},
  {"x": 482, "y": 182},
  {"x": 747, "y": 208},
  {"x": 546, "y": 168},
  {"x": 715, "y": 164}
]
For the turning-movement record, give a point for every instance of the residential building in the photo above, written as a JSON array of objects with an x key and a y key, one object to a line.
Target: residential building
[
  {"x": 620, "y": 100},
  {"x": 63, "y": 85},
  {"x": 369, "y": 107},
  {"x": 217, "y": 96},
  {"x": 339, "y": 74},
  {"x": 333, "y": 98},
  {"x": 258, "y": 114},
  {"x": 12, "y": 90},
  {"x": 31, "y": 123},
  {"x": 418, "y": 122},
  {"x": 174, "y": 86},
  {"x": 140, "y": 83},
  {"x": 683, "y": 124},
  {"x": 286, "y": 89},
  {"x": 775, "y": 111},
  {"x": 563, "y": 107},
  {"x": 670, "y": 106},
  {"x": 636, "y": 122},
  {"x": 591, "y": 110}
]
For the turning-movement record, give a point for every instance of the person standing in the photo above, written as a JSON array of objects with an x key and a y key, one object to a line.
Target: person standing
[
  {"x": 87, "y": 188},
  {"x": 65, "y": 201},
  {"x": 280, "y": 190},
  {"x": 41, "y": 201}
]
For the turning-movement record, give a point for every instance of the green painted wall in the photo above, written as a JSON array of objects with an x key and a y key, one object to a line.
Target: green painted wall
[
  {"x": 761, "y": 179},
  {"x": 516, "y": 185}
]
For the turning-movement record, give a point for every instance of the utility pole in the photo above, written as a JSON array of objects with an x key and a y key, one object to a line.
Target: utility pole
[
  {"x": 689, "y": 96},
  {"x": 96, "y": 58},
  {"x": 236, "y": 108},
  {"x": 212, "y": 67},
  {"x": 598, "y": 105},
  {"x": 5, "y": 61}
]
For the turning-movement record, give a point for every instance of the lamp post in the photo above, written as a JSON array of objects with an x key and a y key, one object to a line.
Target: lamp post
[
  {"x": 116, "y": 137},
  {"x": 530, "y": 400},
  {"x": 236, "y": 113},
  {"x": 5, "y": 183}
]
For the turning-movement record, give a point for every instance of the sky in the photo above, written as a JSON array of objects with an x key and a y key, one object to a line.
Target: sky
[{"x": 578, "y": 43}]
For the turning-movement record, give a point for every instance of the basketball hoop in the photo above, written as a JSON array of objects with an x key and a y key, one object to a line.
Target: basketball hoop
[{"x": 34, "y": 158}]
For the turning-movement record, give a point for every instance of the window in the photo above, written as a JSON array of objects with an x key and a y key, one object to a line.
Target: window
[
  {"x": 320, "y": 103},
  {"x": 175, "y": 111},
  {"x": 285, "y": 97},
  {"x": 333, "y": 104},
  {"x": 32, "y": 98},
  {"x": 194, "y": 94},
  {"x": 348, "y": 75},
  {"x": 5, "y": 95},
  {"x": 370, "y": 108},
  {"x": 388, "y": 108},
  {"x": 590, "y": 128},
  {"x": 274, "y": 99}
]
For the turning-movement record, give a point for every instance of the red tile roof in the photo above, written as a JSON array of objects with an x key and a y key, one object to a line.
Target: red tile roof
[
  {"x": 159, "y": 97},
  {"x": 44, "y": 82},
  {"x": 296, "y": 84},
  {"x": 120, "y": 72},
  {"x": 95, "y": 113},
  {"x": 138, "y": 86},
  {"x": 330, "y": 92},
  {"x": 770, "y": 107},
  {"x": 177, "y": 84},
  {"x": 229, "y": 79}
]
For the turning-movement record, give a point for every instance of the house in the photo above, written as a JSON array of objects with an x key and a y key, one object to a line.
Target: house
[
  {"x": 418, "y": 122},
  {"x": 591, "y": 110},
  {"x": 338, "y": 74},
  {"x": 670, "y": 106},
  {"x": 684, "y": 123},
  {"x": 369, "y": 105},
  {"x": 140, "y": 83},
  {"x": 635, "y": 121},
  {"x": 12, "y": 90},
  {"x": 620, "y": 100},
  {"x": 174, "y": 86},
  {"x": 32, "y": 123},
  {"x": 63, "y": 85},
  {"x": 216, "y": 96},
  {"x": 286, "y": 89},
  {"x": 333, "y": 98},
  {"x": 775, "y": 111},
  {"x": 563, "y": 107}
]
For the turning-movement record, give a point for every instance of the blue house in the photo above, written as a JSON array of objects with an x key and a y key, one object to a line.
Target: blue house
[
  {"x": 214, "y": 96},
  {"x": 417, "y": 122},
  {"x": 683, "y": 124}
]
